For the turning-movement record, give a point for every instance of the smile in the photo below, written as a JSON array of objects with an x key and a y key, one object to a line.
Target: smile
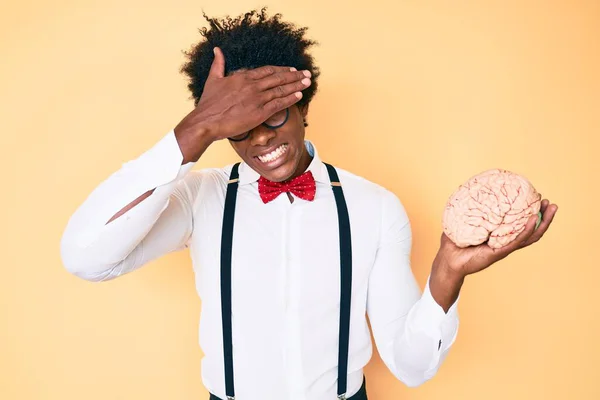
[{"x": 274, "y": 155}]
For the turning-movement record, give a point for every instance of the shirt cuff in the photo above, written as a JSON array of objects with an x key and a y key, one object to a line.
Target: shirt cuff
[
  {"x": 160, "y": 164},
  {"x": 429, "y": 316},
  {"x": 429, "y": 320}
]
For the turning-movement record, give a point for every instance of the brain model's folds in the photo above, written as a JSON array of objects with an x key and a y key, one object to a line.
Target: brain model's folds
[{"x": 491, "y": 207}]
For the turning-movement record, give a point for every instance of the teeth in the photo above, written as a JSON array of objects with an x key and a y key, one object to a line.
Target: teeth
[{"x": 274, "y": 155}]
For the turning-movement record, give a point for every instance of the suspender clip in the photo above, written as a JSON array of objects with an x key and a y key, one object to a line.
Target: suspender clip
[{"x": 342, "y": 396}]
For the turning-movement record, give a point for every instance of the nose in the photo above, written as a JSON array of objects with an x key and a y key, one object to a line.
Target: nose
[{"x": 261, "y": 136}]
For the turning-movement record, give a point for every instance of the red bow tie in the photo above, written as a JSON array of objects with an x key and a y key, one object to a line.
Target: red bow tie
[{"x": 303, "y": 187}]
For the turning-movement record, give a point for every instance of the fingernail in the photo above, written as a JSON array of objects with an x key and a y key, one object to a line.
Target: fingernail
[
  {"x": 298, "y": 94},
  {"x": 305, "y": 81},
  {"x": 293, "y": 69},
  {"x": 538, "y": 220},
  {"x": 306, "y": 73}
]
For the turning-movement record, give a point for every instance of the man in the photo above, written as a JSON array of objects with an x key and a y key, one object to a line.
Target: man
[{"x": 290, "y": 254}]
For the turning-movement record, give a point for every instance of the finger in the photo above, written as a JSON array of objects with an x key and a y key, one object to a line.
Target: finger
[
  {"x": 547, "y": 217},
  {"x": 544, "y": 205},
  {"x": 285, "y": 90},
  {"x": 281, "y": 103},
  {"x": 281, "y": 78},
  {"x": 217, "y": 68},
  {"x": 261, "y": 72}
]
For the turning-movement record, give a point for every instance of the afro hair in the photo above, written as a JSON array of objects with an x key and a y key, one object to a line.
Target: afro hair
[{"x": 249, "y": 41}]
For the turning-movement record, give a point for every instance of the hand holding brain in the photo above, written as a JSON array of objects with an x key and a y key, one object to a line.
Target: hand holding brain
[{"x": 491, "y": 207}]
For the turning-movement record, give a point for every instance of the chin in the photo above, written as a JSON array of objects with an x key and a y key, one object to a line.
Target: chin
[{"x": 281, "y": 173}]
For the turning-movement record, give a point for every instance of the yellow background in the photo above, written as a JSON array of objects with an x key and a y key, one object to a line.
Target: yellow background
[{"x": 417, "y": 96}]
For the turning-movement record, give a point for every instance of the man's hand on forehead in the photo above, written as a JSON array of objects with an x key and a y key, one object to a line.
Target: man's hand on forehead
[{"x": 234, "y": 104}]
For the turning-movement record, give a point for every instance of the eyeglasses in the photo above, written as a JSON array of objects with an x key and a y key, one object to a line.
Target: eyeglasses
[{"x": 275, "y": 121}]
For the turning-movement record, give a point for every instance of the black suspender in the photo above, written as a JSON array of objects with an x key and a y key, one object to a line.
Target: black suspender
[
  {"x": 226, "y": 247},
  {"x": 345, "y": 278}
]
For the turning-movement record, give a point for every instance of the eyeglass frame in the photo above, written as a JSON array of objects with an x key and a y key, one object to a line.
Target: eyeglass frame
[{"x": 287, "y": 116}]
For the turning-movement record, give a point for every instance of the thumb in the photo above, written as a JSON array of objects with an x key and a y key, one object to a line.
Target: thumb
[{"x": 217, "y": 69}]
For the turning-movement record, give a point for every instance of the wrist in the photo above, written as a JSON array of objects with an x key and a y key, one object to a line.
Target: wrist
[
  {"x": 193, "y": 141},
  {"x": 446, "y": 273},
  {"x": 445, "y": 284}
]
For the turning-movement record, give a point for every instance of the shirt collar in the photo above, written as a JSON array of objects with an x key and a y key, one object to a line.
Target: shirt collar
[{"x": 318, "y": 169}]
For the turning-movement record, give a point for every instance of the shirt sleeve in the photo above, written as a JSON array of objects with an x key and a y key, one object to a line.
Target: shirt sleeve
[
  {"x": 94, "y": 250},
  {"x": 412, "y": 332}
]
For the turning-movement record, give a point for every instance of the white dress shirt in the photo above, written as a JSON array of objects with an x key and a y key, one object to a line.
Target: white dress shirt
[{"x": 285, "y": 272}]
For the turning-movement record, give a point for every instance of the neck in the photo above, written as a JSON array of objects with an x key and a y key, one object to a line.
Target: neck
[{"x": 305, "y": 161}]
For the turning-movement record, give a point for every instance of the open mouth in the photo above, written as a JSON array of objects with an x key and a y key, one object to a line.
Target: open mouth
[{"x": 273, "y": 155}]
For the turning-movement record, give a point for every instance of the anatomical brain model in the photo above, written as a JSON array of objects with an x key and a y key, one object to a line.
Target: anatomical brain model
[{"x": 491, "y": 207}]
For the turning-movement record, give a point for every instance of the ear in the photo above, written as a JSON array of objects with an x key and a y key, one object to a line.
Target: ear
[{"x": 303, "y": 110}]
